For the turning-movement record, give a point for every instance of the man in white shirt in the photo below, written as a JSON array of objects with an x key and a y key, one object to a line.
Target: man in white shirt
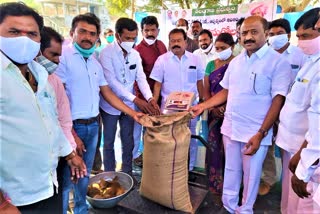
[
  {"x": 309, "y": 153},
  {"x": 179, "y": 70},
  {"x": 122, "y": 67},
  {"x": 31, "y": 138},
  {"x": 238, "y": 47},
  {"x": 83, "y": 77},
  {"x": 206, "y": 52},
  {"x": 255, "y": 85},
  {"x": 299, "y": 121},
  {"x": 279, "y": 36}
]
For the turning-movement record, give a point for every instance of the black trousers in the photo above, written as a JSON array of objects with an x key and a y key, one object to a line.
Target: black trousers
[{"x": 48, "y": 206}]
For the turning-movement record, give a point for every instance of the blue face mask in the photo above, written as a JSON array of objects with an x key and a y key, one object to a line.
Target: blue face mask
[
  {"x": 110, "y": 39},
  {"x": 86, "y": 53}
]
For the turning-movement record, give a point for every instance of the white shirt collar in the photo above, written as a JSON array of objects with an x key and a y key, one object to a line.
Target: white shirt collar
[
  {"x": 313, "y": 57},
  {"x": 186, "y": 54},
  {"x": 259, "y": 53}
]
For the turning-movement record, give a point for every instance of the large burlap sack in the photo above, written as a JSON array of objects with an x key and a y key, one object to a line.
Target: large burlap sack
[{"x": 165, "y": 160}]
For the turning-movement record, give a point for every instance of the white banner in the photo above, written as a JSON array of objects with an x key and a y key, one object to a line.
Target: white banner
[{"x": 220, "y": 19}]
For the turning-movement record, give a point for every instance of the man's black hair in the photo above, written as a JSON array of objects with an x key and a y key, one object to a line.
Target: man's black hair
[
  {"x": 125, "y": 23},
  {"x": 149, "y": 20},
  {"x": 90, "y": 18},
  {"x": 47, "y": 35},
  {"x": 178, "y": 30},
  {"x": 308, "y": 19},
  {"x": 281, "y": 23},
  {"x": 205, "y": 31},
  {"x": 239, "y": 22},
  {"x": 196, "y": 21},
  {"x": 19, "y": 9}
]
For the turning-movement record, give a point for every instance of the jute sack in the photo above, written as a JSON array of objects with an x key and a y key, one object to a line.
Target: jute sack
[{"x": 165, "y": 160}]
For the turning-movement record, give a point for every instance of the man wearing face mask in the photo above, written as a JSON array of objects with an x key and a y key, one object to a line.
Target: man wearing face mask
[
  {"x": 83, "y": 77},
  {"x": 30, "y": 128},
  {"x": 109, "y": 35},
  {"x": 206, "y": 52},
  {"x": 122, "y": 68},
  {"x": 50, "y": 51},
  {"x": 299, "y": 122},
  {"x": 279, "y": 36},
  {"x": 150, "y": 48},
  {"x": 179, "y": 70},
  {"x": 192, "y": 45}
]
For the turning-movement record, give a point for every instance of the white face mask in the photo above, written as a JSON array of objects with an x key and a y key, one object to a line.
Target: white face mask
[
  {"x": 183, "y": 28},
  {"x": 127, "y": 46},
  {"x": 150, "y": 41},
  {"x": 278, "y": 41},
  {"x": 20, "y": 49},
  {"x": 225, "y": 54},
  {"x": 207, "y": 49}
]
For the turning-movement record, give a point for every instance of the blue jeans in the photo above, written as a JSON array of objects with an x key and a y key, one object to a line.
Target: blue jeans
[
  {"x": 126, "y": 135},
  {"x": 89, "y": 136}
]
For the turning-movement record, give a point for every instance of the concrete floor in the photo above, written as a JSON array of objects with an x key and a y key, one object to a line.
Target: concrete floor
[{"x": 268, "y": 204}]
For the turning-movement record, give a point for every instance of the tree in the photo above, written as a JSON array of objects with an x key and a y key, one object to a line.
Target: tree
[{"x": 118, "y": 8}]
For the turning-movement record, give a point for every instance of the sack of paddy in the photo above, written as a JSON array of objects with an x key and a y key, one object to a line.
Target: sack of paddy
[{"x": 165, "y": 160}]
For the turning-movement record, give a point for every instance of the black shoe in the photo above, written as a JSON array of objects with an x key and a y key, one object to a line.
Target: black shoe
[
  {"x": 223, "y": 211},
  {"x": 138, "y": 161},
  {"x": 95, "y": 172}
]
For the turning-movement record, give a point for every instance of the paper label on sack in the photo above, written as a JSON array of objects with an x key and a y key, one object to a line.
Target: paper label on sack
[{"x": 179, "y": 101}]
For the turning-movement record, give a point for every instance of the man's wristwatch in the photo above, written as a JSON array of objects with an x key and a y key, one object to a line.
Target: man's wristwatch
[{"x": 263, "y": 132}]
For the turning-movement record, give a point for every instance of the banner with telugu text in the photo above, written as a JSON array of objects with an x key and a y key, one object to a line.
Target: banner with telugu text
[{"x": 217, "y": 19}]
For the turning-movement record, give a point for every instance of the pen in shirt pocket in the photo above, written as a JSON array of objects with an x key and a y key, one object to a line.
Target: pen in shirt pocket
[{"x": 302, "y": 80}]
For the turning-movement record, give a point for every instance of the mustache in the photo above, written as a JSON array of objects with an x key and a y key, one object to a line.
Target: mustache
[
  {"x": 176, "y": 46},
  {"x": 87, "y": 41},
  {"x": 249, "y": 41},
  {"x": 151, "y": 37}
]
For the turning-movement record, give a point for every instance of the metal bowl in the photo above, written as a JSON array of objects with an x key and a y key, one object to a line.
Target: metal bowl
[{"x": 124, "y": 180}]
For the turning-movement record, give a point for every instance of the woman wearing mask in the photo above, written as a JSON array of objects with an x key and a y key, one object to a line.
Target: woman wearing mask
[{"x": 224, "y": 45}]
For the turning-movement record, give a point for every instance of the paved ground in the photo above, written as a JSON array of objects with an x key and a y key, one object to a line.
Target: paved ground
[{"x": 268, "y": 204}]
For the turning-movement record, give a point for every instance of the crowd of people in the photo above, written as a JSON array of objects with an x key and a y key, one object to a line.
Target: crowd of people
[{"x": 55, "y": 97}]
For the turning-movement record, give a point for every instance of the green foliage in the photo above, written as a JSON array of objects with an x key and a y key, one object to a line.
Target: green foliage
[{"x": 118, "y": 8}]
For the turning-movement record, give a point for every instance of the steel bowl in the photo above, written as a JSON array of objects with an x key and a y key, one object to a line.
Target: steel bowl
[{"x": 124, "y": 180}]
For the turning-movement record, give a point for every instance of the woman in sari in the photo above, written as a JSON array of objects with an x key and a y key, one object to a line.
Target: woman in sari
[{"x": 224, "y": 44}]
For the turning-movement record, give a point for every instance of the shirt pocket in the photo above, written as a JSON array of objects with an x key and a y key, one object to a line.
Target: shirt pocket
[
  {"x": 48, "y": 105},
  {"x": 261, "y": 84},
  {"x": 298, "y": 93},
  {"x": 192, "y": 75}
]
